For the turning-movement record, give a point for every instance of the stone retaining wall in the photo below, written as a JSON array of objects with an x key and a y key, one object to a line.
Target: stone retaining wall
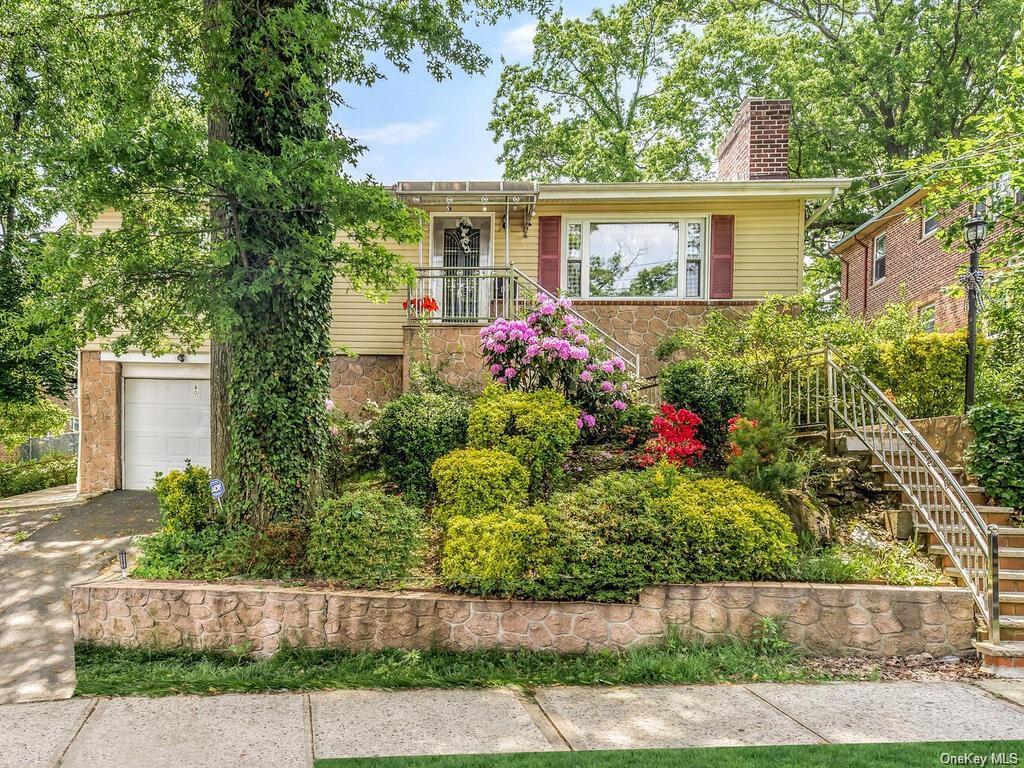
[{"x": 827, "y": 619}]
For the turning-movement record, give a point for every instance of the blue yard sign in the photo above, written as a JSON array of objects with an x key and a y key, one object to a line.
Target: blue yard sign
[{"x": 216, "y": 488}]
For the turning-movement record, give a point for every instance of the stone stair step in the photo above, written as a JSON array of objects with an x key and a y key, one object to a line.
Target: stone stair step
[
  {"x": 938, "y": 549},
  {"x": 1003, "y": 530},
  {"x": 1011, "y": 597},
  {"x": 1002, "y": 659}
]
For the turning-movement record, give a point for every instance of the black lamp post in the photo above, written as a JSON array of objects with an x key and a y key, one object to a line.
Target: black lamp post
[{"x": 974, "y": 234}]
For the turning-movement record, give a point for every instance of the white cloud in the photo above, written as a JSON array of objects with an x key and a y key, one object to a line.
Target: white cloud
[
  {"x": 397, "y": 133},
  {"x": 518, "y": 43}
]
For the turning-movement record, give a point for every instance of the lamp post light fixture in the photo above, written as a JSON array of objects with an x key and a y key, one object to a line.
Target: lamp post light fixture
[{"x": 974, "y": 235}]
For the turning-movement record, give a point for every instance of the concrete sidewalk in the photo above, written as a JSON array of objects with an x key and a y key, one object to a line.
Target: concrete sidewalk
[{"x": 291, "y": 729}]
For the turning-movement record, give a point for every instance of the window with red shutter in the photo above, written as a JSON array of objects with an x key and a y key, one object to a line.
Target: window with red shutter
[
  {"x": 549, "y": 252},
  {"x": 723, "y": 230}
]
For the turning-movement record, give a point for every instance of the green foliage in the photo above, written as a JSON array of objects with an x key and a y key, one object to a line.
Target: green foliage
[
  {"x": 996, "y": 456},
  {"x": 416, "y": 430},
  {"x": 478, "y": 481},
  {"x": 924, "y": 372},
  {"x": 761, "y": 450},
  {"x": 538, "y": 428},
  {"x": 365, "y": 538},
  {"x": 621, "y": 532},
  {"x": 353, "y": 450},
  {"x": 212, "y": 552},
  {"x": 714, "y": 389},
  {"x": 46, "y": 472},
  {"x": 20, "y": 421},
  {"x": 496, "y": 553},
  {"x": 897, "y": 563},
  {"x": 184, "y": 499}
]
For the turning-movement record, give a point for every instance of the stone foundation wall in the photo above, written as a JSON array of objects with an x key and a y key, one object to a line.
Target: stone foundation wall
[
  {"x": 99, "y": 453},
  {"x": 948, "y": 436},
  {"x": 454, "y": 351},
  {"x": 642, "y": 325},
  {"x": 355, "y": 380},
  {"x": 828, "y": 619}
]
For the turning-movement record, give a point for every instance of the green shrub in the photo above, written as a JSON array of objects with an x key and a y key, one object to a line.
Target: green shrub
[
  {"x": 184, "y": 498},
  {"x": 416, "y": 430},
  {"x": 538, "y": 428},
  {"x": 496, "y": 553},
  {"x": 353, "y": 450},
  {"x": 713, "y": 389},
  {"x": 45, "y": 472},
  {"x": 924, "y": 373},
  {"x": 478, "y": 481},
  {"x": 996, "y": 456},
  {"x": 365, "y": 538},
  {"x": 622, "y": 532},
  {"x": 213, "y": 552},
  {"x": 761, "y": 450},
  {"x": 21, "y": 421}
]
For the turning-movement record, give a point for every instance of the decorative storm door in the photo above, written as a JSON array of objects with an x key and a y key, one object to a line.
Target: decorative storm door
[{"x": 462, "y": 284}]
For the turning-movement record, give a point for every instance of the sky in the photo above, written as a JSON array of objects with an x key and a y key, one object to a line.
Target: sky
[{"x": 416, "y": 129}]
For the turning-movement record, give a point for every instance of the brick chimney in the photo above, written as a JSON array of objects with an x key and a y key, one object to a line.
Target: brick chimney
[{"x": 756, "y": 146}]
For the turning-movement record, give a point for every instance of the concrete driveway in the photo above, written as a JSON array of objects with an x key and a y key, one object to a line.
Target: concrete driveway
[{"x": 43, "y": 553}]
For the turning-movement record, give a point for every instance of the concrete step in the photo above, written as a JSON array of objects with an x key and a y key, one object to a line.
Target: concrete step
[
  {"x": 991, "y": 515},
  {"x": 1010, "y": 558},
  {"x": 1010, "y": 531}
]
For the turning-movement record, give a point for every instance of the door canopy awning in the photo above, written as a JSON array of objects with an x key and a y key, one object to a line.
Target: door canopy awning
[{"x": 506, "y": 196}]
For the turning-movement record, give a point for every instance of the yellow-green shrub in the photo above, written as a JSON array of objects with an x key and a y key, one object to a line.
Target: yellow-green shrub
[
  {"x": 496, "y": 553},
  {"x": 538, "y": 428},
  {"x": 478, "y": 481},
  {"x": 184, "y": 498},
  {"x": 924, "y": 373}
]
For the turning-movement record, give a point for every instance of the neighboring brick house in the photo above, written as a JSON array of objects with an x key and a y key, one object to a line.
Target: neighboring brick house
[
  {"x": 637, "y": 259},
  {"x": 896, "y": 256}
]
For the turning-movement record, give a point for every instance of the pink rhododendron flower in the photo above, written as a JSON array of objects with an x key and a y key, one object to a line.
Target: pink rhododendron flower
[
  {"x": 618, "y": 405},
  {"x": 495, "y": 369},
  {"x": 586, "y": 376},
  {"x": 510, "y": 373},
  {"x": 607, "y": 386}
]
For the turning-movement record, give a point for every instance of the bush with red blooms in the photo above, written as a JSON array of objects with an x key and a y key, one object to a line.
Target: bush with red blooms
[
  {"x": 424, "y": 305},
  {"x": 738, "y": 422},
  {"x": 676, "y": 439}
]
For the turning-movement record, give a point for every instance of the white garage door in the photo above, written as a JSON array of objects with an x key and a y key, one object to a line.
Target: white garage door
[{"x": 165, "y": 422}]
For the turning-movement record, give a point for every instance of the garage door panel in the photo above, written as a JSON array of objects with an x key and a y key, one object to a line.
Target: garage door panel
[{"x": 166, "y": 421}]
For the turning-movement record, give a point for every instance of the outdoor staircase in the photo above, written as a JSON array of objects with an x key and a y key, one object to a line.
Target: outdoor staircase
[{"x": 970, "y": 540}]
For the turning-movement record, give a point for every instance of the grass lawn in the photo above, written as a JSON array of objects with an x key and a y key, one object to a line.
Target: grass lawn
[
  {"x": 844, "y": 755},
  {"x": 106, "y": 671}
]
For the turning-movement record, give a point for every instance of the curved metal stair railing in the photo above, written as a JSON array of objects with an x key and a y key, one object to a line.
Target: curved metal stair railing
[{"x": 820, "y": 389}]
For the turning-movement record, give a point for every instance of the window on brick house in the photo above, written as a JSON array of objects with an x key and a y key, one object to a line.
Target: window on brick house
[
  {"x": 926, "y": 315},
  {"x": 879, "y": 257},
  {"x": 929, "y": 225}
]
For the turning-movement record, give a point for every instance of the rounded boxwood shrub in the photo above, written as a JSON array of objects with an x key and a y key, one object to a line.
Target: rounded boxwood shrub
[
  {"x": 413, "y": 432},
  {"x": 183, "y": 496},
  {"x": 538, "y": 428},
  {"x": 713, "y": 389},
  {"x": 478, "y": 481},
  {"x": 496, "y": 554},
  {"x": 365, "y": 538}
]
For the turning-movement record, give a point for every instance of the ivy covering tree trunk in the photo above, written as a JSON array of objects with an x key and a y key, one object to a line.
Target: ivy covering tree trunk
[{"x": 277, "y": 107}]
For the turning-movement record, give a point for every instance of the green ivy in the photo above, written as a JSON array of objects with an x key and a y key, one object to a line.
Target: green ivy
[{"x": 996, "y": 456}]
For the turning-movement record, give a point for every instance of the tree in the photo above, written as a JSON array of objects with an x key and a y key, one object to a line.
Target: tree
[
  {"x": 234, "y": 232},
  {"x": 985, "y": 167},
  {"x": 593, "y": 103}
]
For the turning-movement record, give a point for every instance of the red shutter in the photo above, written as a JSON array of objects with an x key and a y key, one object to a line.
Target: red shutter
[
  {"x": 549, "y": 252},
  {"x": 722, "y": 248}
]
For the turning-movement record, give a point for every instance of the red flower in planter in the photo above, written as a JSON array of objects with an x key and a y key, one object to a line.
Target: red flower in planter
[
  {"x": 676, "y": 440},
  {"x": 425, "y": 304}
]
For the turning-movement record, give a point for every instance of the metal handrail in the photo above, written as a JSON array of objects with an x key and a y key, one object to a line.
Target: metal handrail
[
  {"x": 503, "y": 290},
  {"x": 917, "y": 469}
]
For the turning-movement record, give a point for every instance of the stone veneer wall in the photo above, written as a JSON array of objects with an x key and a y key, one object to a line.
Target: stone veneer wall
[
  {"x": 454, "y": 350},
  {"x": 948, "y": 436},
  {"x": 642, "y": 325},
  {"x": 828, "y": 619},
  {"x": 355, "y": 380},
  {"x": 99, "y": 452}
]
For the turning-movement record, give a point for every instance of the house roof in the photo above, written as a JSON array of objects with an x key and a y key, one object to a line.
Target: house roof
[
  {"x": 875, "y": 221},
  {"x": 500, "y": 191}
]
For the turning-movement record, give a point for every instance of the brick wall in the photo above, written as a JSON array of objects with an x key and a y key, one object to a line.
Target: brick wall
[
  {"x": 757, "y": 144},
  {"x": 918, "y": 270}
]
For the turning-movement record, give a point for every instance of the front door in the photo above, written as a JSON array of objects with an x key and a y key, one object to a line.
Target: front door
[{"x": 463, "y": 245}]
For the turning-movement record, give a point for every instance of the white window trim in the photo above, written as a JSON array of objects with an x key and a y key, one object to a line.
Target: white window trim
[
  {"x": 920, "y": 312},
  {"x": 925, "y": 234},
  {"x": 435, "y": 259},
  {"x": 639, "y": 218},
  {"x": 874, "y": 260}
]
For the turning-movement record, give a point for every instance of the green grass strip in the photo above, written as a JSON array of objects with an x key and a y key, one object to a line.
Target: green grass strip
[
  {"x": 106, "y": 671},
  {"x": 925, "y": 755}
]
